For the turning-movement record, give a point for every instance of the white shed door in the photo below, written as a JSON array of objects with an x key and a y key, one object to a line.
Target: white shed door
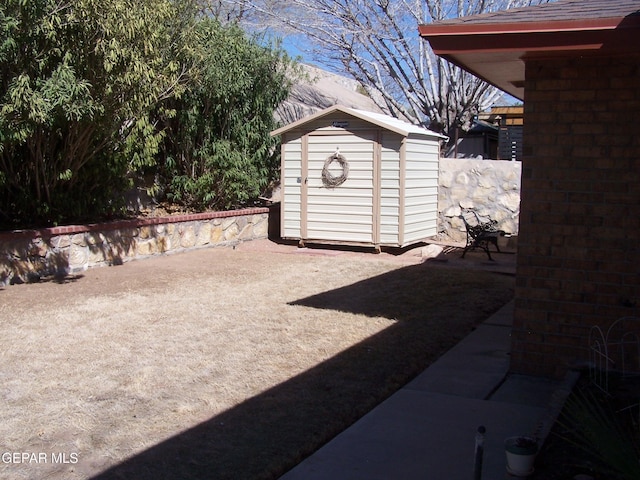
[{"x": 346, "y": 212}]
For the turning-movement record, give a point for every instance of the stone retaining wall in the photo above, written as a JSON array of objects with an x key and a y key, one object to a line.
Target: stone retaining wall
[
  {"x": 489, "y": 187},
  {"x": 29, "y": 255}
]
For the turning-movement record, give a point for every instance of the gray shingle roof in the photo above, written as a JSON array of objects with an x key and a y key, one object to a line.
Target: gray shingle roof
[{"x": 562, "y": 10}]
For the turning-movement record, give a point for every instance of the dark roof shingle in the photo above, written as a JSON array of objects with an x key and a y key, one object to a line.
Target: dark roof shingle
[{"x": 562, "y": 10}]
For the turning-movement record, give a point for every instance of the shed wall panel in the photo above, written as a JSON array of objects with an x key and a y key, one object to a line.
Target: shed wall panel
[
  {"x": 291, "y": 188},
  {"x": 345, "y": 212},
  {"x": 419, "y": 148},
  {"x": 390, "y": 188},
  {"x": 420, "y": 196},
  {"x": 421, "y": 189}
]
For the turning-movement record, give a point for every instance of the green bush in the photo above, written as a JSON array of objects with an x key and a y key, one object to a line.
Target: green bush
[
  {"x": 92, "y": 93},
  {"x": 217, "y": 151},
  {"x": 601, "y": 430}
]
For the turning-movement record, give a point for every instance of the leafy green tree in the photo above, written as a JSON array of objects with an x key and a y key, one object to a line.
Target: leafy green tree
[
  {"x": 78, "y": 81},
  {"x": 93, "y": 92},
  {"x": 217, "y": 150}
]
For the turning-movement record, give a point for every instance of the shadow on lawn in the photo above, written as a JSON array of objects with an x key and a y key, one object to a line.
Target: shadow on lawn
[{"x": 270, "y": 433}]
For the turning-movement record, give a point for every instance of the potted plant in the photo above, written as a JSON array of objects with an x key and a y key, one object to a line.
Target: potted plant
[{"x": 521, "y": 454}]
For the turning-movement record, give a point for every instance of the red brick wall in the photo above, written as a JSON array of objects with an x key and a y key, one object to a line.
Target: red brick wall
[{"x": 579, "y": 241}]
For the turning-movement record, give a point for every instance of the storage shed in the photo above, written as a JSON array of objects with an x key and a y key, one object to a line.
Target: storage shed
[{"x": 358, "y": 178}]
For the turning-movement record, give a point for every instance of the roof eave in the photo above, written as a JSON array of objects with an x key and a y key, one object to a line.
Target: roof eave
[
  {"x": 338, "y": 108},
  {"x": 462, "y": 27},
  {"x": 472, "y": 46}
]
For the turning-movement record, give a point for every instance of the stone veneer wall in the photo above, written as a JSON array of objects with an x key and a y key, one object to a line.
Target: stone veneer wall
[
  {"x": 29, "y": 255},
  {"x": 489, "y": 187}
]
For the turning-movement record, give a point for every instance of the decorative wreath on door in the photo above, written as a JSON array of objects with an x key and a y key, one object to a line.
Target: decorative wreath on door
[{"x": 328, "y": 179}]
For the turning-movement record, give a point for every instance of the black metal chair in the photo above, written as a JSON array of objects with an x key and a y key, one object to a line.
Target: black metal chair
[{"x": 480, "y": 234}]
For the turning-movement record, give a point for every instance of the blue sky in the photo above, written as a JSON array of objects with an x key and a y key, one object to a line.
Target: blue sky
[{"x": 294, "y": 46}]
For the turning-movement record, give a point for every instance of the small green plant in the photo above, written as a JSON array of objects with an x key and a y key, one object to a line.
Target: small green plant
[
  {"x": 594, "y": 426},
  {"x": 526, "y": 443},
  {"x": 217, "y": 152}
]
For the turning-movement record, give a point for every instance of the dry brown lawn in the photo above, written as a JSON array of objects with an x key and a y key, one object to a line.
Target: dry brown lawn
[{"x": 221, "y": 363}]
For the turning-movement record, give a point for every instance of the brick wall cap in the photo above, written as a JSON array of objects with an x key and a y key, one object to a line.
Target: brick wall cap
[{"x": 123, "y": 224}]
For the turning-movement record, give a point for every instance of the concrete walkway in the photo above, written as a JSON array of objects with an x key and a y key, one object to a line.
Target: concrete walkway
[{"x": 427, "y": 429}]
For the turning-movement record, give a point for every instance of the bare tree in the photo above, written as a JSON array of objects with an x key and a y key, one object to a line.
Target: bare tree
[
  {"x": 377, "y": 43},
  {"x": 225, "y": 11}
]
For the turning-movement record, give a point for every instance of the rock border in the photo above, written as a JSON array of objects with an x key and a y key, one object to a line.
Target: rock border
[{"x": 31, "y": 255}]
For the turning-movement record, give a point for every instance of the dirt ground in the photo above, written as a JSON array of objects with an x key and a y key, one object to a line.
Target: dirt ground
[{"x": 172, "y": 363}]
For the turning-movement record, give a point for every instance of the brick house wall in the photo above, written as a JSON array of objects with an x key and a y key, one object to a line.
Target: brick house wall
[{"x": 579, "y": 243}]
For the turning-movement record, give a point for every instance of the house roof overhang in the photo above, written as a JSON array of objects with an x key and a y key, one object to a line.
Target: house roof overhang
[{"x": 494, "y": 47}]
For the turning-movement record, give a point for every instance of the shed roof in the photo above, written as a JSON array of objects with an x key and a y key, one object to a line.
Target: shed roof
[
  {"x": 379, "y": 119},
  {"x": 493, "y": 46}
]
